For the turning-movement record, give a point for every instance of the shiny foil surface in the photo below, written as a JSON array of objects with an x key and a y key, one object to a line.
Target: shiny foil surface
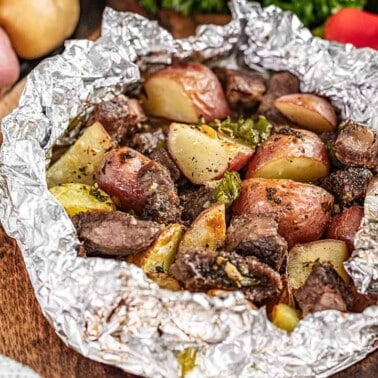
[
  {"x": 108, "y": 310},
  {"x": 12, "y": 369}
]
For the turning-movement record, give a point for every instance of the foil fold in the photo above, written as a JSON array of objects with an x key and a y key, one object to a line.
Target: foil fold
[{"x": 108, "y": 310}]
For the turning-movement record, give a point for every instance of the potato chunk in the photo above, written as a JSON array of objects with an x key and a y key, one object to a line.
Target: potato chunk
[
  {"x": 184, "y": 92},
  {"x": 285, "y": 317},
  {"x": 299, "y": 155},
  {"x": 303, "y": 257},
  {"x": 302, "y": 210},
  {"x": 207, "y": 232},
  {"x": 202, "y": 156},
  {"x": 158, "y": 258},
  {"x": 81, "y": 160},
  {"x": 308, "y": 111},
  {"x": 165, "y": 281},
  {"x": 76, "y": 198}
]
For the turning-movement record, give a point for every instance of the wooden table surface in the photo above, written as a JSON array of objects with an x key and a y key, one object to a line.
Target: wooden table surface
[{"x": 25, "y": 335}]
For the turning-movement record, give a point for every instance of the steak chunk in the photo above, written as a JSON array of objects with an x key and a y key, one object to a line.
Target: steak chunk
[
  {"x": 242, "y": 88},
  {"x": 256, "y": 235},
  {"x": 114, "y": 233},
  {"x": 121, "y": 116},
  {"x": 280, "y": 84},
  {"x": 162, "y": 156},
  {"x": 146, "y": 142},
  {"x": 323, "y": 290},
  {"x": 194, "y": 201},
  {"x": 348, "y": 185},
  {"x": 162, "y": 202},
  {"x": 357, "y": 146},
  {"x": 200, "y": 270}
]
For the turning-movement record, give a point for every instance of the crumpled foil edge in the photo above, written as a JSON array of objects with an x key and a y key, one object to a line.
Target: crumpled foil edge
[{"x": 108, "y": 310}]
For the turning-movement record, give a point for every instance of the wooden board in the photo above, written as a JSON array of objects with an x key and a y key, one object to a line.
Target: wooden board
[{"x": 25, "y": 335}]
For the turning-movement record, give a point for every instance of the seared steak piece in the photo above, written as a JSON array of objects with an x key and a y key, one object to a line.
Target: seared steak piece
[
  {"x": 357, "y": 146},
  {"x": 242, "y": 88},
  {"x": 162, "y": 203},
  {"x": 280, "y": 84},
  {"x": 256, "y": 235},
  {"x": 348, "y": 185},
  {"x": 114, "y": 233},
  {"x": 323, "y": 290},
  {"x": 199, "y": 270},
  {"x": 121, "y": 116},
  {"x": 194, "y": 201},
  {"x": 146, "y": 142},
  {"x": 162, "y": 156}
]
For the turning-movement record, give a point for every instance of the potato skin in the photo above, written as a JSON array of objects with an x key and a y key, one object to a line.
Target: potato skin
[
  {"x": 345, "y": 225},
  {"x": 303, "y": 210},
  {"x": 309, "y": 111},
  {"x": 117, "y": 175},
  {"x": 202, "y": 155},
  {"x": 200, "y": 85},
  {"x": 9, "y": 65},
  {"x": 80, "y": 162},
  {"x": 76, "y": 198},
  {"x": 239, "y": 161},
  {"x": 294, "y": 144}
]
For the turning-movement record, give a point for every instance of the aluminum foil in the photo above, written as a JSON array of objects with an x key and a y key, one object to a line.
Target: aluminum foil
[
  {"x": 12, "y": 369},
  {"x": 108, "y": 310}
]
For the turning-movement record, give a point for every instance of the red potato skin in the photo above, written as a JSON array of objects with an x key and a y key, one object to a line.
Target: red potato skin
[
  {"x": 311, "y": 102},
  {"x": 117, "y": 175},
  {"x": 303, "y": 143},
  {"x": 303, "y": 210},
  {"x": 202, "y": 87},
  {"x": 239, "y": 161},
  {"x": 9, "y": 65},
  {"x": 345, "y": 225}
]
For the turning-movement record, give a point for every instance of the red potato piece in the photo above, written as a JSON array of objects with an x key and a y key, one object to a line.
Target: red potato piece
[
  {"x": 240, "y": 154},
  {"x": 304, "y": 257},
  {"x": 207, "y": 232},
  {"x": 80, "y": 162},
  {"x": 9, "y": 65},
  {"x": 344, "y": 226},
  {"x": 201, "y": 156},
  {"x": 285, "y": 317},
  {"x": 299, "y": 155},
  {"x": 303, "y": 211},
  {"x": 117, "y": 175},
  {"x": 308, "y": 111},
  {"x": 184, "y": 92}
]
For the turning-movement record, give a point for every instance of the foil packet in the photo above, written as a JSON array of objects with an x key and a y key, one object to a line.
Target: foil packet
[{"x": 110, "y": 311}]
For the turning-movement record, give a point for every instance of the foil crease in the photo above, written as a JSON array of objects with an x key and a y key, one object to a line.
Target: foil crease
[
  {"x": 108, "y": 310},
  {"x": 348, "y": 76}
]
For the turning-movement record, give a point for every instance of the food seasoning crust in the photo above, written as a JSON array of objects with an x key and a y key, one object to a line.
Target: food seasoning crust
[{"x": 264, "y": 192}]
